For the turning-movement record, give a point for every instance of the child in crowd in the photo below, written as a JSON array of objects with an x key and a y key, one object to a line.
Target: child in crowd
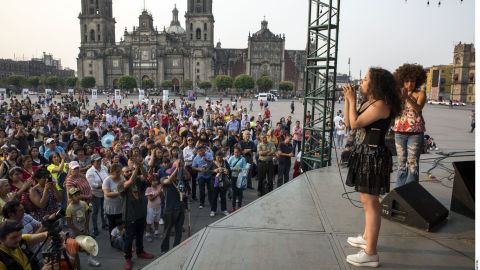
[
  {"x": 154, "y": 194},
  {"x": 77, "y": 214},
  {"x": 117, "y": 235}
]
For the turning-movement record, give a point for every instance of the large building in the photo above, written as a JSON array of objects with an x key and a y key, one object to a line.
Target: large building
[
  {"x": 439, "y": 82},
  {"x": 46, "y": 65},
  {"x": 463, "y": 81},
  {"x": 176, "y": 53}
]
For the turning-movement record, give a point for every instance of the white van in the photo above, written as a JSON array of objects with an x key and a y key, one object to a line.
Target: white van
[{"x": 267, "y": 96}]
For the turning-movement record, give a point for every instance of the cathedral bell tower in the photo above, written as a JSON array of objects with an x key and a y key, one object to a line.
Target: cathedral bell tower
[
  {"x": 97, "y": 30},
  {"x": 199, "y": 24}
]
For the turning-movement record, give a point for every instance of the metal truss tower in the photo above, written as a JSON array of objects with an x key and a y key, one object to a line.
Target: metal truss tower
[{"x": 320, "y": 83}]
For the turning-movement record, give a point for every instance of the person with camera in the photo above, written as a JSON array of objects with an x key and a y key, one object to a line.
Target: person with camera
[
  {"x": 174, "y": 213},
  {"x": 14, "y": 247},
  {"x": 134, "y": 210},
  {"x": 44, "y": 196},
  {"x": 220, "y": 184}
]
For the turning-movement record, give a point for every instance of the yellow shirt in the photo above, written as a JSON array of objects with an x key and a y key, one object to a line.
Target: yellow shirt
[
  {"x": 18, "y": 255},
  {"x": 55, "y": 175}
]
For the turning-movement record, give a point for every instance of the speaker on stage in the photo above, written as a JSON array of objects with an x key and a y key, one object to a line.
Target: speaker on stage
[
  {"x": 463, "y": 192},
  {"x": 413, "y": 205}
]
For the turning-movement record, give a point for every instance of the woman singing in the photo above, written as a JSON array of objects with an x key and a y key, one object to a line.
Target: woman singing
[{"x": 370, "y": 163}]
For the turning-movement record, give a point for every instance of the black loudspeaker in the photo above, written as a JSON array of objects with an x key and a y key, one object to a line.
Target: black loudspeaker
[
  {"x": 463, "y": 193},
  {"x": 412, "y": 205}
]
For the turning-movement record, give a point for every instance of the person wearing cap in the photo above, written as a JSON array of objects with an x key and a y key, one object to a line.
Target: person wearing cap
[
  {"x": 95, "y": 176},
  {"x": 77, "y": 180},
  {"x": 77, "y": 214},
  {"x": 14, "y": 246},
  {"x": 52, "y": 147}
]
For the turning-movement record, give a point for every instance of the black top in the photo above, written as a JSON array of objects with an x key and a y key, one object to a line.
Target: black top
[
  {"x": 286, "y": 149},
  {"x": 373, "y": 134},
  {"x": 172, "y": 197}
]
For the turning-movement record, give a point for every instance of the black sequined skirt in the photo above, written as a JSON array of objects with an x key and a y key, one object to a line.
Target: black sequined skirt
[{"x": 369, "y": 169}]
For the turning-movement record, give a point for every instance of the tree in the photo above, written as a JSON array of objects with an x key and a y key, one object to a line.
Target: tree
[
  {"x": 244, "y": 82},
  {"x": 223, "y": 82},
  {"x": 285, "y": 86},
  {"x": 148, "y": 83},
  {"x": 71, "y": 82},
  {"x": 166, "y": 84},
  {"x": 34, "y": 81},
  {"x": 205, "y": 85},
  {"x": 52, "y": 82},
  {"x": 127, "y": 82},
  {"x": 264, "y": 83},
  {"x": 16, "y": 80},
  {"x": 187, "y": 84},
  {"x": 88, "y": 82}
]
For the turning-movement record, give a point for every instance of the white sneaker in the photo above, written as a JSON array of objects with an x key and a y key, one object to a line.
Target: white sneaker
[
  {"x": 212, "y": 214},
  {"x": 93, "y": 262},
  {"x": 200, "y": 207},
  {"x": 362, "y": 259},
  {"x": 161, "y": 221},
  {"x": 357, "y": 242},
  {"x": 156, "y": 233},
  {"x": 225, "y": 213}
]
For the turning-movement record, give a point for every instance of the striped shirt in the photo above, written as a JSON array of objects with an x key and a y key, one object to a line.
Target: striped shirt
[{"x": 80, "y": 182}]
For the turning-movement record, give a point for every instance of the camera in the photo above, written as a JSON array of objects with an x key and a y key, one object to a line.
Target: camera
[{"x": 52, "y": 223}]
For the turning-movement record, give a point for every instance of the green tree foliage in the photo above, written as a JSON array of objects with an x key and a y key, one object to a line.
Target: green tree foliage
[
  {"x": 166, "y": 84},
  {"x": 244, "y": 82},
  {"x": 264, "y": 83},
  {"x": 223, "y": 82},
  {"x": 52, "y": 82},
  {"x": 34, "y": 81},
  {"x": 71, "y": 82},
  {"x": 16, "y": 80},
  {"x": 88, "y": 82},
  {"x": 285, "y": 86},
  {"x": 205, "y": 85},
  {"x": 127, "y": 82},
  {"x": 148, "y": 84},
  {"x": 187, "y": 84}
]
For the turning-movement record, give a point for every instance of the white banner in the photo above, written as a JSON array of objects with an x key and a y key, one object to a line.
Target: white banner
[
  {"x": 71, "y": 92},
  {"x": 25, "y": 92},
  {"x": 48, "y": 92},
  {"x": 118, "y": 95},
  {"x": 94, "y": 94},
  {"x": 141, "y": 94},
  {"x": 165, "y": 95}
]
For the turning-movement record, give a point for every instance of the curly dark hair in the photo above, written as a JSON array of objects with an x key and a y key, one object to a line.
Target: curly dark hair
[
  {"x": 384, "y": 87},
  {"x": 410, "y": 72}
]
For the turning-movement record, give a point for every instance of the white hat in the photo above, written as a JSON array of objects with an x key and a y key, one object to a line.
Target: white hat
[
  {"x": 88, "y": 244},
  {"x": 50, "y": 140}
]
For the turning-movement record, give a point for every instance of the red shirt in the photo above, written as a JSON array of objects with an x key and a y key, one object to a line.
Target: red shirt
[{"x": 132, "y": 123}]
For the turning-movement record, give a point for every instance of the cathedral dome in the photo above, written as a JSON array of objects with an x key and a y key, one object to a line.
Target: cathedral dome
[{"x": 175, "y": 27}]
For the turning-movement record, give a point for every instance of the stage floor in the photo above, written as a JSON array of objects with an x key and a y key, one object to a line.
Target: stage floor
[{"x": 304, "y": 225}]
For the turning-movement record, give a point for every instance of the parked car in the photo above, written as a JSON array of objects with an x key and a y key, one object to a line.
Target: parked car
[
  {"x": 434, "y": 102},
  {"x": 266, "y": 97}
]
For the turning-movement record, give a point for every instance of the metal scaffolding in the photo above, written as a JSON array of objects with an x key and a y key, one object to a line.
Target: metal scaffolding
[{"x": 320, "y": 83}]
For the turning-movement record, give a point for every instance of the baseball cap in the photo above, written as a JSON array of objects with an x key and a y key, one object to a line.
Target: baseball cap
[
  {"x": 73, "y": 190},
  {"x": 73, "y": 165},
  {"x": 50, "y": 140},
  {"x": 95, "y": 157}
]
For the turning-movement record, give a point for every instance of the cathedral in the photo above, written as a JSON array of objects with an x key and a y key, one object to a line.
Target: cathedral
[{"x": 176, "y": 53}]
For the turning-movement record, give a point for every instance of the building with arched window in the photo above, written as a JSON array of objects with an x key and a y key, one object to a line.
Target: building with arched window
[{"x": 463, "y": 77}]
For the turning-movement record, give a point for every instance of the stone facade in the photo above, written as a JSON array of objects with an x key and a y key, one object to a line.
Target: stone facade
[
  {"x": 175, "y": 53},
  {"x": 46, "y": 65},
  {"x": 463, "y": 81}
]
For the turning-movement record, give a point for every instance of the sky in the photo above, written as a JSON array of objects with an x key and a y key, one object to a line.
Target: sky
[{"x": 385, "y": 33}]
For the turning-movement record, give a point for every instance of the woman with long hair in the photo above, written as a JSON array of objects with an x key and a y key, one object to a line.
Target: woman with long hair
[
  {"x": 370, "y": 164},
  {"x": 44, "y": 196},
  {"x": 37, "y": 159},
  {"x": 409, "y": 126}
]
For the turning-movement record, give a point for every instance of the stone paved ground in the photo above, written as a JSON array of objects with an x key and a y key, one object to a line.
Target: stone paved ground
[{"x": 449, "y": 127}]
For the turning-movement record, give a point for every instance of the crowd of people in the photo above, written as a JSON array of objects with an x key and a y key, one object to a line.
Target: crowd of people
[{"x": 131, "y": 170}]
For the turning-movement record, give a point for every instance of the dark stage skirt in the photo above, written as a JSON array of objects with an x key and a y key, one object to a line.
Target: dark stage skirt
[{"x": 369, "y": 169}]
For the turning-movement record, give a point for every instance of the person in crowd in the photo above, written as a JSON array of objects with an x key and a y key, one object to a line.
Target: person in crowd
[
  {"x": 37, "y": 159},
  {"x": 9, "y": 162},
  {"x": 284, "y": 155},
  {"x": 409, "y": 126},
  {"x": 52, "y": 147},
  {"x": 154, "y": 194},
  {"x": 96, "y": 174},
  {"x": 134, "y": 211},
  {"x": 79, "y": 181},
  {"x": 14, "y": 211},
  {"x": 117, "y": 236},
  {"x": 341, "y": 131},
  {"x": 44, "y": 195},
  {"x": 113, "y": 201},
  {"x": 236, "y": 163},
  {"x": 201, "y": 165},
  {"x": 221, "y": 170},
  {"x": 266, "y": 150},
  {"x": 370, "y": 162},
  {"x": 4, "y": 195},
  {"x": 248, "y": 151},
  {"x": 472, "y": 121}
]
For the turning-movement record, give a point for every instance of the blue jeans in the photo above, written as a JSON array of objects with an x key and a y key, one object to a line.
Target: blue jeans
[{"x": 409, "y": 147}]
